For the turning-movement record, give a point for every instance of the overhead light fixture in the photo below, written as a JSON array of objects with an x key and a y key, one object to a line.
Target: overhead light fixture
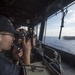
[
  {"x": 8, "y": 1},
  {"x": 28, "y": 21}
]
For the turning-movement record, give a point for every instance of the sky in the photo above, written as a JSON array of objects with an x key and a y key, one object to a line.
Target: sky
[{"x": 54, "y": 23}]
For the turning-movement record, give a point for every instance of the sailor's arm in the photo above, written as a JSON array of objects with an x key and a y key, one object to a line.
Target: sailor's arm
[{"x": 26, "y": 51}]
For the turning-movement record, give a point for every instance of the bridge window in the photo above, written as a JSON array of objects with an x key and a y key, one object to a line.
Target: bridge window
[{"x": 67, "y": 41}]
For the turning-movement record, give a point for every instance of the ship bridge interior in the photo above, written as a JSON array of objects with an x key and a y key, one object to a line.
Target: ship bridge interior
[{"x": 31, "y": 12}]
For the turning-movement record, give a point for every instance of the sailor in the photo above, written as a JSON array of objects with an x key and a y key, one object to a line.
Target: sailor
[{"x": 7, "y": 33}]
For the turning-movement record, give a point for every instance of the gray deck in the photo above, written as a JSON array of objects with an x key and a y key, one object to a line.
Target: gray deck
[{"x": 68, "y": 70}]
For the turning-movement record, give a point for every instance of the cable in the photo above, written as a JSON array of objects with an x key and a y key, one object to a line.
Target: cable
[{"x": 8, "y": 2}]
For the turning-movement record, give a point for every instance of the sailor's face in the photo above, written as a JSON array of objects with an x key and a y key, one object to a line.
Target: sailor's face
[{"x": 6, "y": 41}]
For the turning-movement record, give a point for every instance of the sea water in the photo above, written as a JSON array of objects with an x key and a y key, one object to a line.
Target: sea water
[{"x": 62, "y": 44}]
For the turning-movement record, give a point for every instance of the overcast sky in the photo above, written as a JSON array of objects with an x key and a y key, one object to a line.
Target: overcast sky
[{"x": 53, "y": 24}]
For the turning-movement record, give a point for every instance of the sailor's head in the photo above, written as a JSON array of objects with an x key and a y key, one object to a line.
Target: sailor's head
[{"x": 7, "y": 32}]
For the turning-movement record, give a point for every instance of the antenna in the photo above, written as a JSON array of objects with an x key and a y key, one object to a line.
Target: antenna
[{"x": 62, "y": 22}]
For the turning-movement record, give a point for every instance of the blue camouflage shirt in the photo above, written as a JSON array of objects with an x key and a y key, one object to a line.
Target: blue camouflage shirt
[{"x": 7, "y": 67}]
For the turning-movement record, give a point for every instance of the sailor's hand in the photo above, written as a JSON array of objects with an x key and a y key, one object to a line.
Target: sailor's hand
[
  {"x": 27, "y": 46},
  {"x": 34, "y": 41},
  {"x": 17, "y": 53},
  {"x": 20, "y": 53},
  {"x": 26, "y": 50}
]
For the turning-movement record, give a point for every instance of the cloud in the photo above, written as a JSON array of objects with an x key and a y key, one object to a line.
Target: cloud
[
  {"x": 71, "y": 11},
  {"x": 53, "y": 24},
  {"x": 65, "y": 31},
  {"x": 70, "y": 17},
  {"x": 52, "y": 32},
  {"x": 68, "y": 31}
]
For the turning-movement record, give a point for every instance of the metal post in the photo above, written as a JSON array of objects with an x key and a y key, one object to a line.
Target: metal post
[{"x": 41, "y": 30}]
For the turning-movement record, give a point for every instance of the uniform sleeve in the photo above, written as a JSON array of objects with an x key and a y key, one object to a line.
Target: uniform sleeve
[{"x": 8, "y": 68}]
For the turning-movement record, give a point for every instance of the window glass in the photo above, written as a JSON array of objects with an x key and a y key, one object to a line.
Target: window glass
[{"x": 67, "y": 41}]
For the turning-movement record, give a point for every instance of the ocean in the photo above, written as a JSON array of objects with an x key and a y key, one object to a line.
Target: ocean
[{"x": 62, "y": 44}]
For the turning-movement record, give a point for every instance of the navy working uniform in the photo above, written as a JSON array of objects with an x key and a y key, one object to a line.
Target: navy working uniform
[{"x": 7, "y": 67}]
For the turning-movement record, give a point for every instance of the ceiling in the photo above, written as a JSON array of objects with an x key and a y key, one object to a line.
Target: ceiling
[{"x": 30, "y": 12}]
